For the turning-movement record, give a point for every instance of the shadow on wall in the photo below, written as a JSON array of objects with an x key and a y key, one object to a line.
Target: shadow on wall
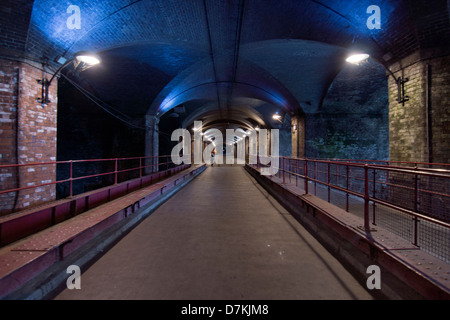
[{"x": 353, "y": 122}]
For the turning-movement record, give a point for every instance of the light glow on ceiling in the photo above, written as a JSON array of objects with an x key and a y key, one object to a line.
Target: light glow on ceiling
[
  {"x": 90, "y": 60},
  {"x": 357, "y": 58}
]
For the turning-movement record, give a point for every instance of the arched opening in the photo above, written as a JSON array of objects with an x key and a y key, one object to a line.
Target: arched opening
[{"x": 353, "y": 121}]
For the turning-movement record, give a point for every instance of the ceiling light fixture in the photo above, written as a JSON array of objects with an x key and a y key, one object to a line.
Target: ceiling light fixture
[
  {"x": 83, "y": 59},
  {"x": 357, "y": 58},
  {"x": 88, "y": 59},
  {"x": 277, "y": 116}
]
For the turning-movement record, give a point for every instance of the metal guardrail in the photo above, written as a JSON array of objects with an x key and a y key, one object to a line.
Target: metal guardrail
[
  {"x": 391, "y": 163},
  {"x": 410, "y": 201},
  {"x": 44, "y": 174}
]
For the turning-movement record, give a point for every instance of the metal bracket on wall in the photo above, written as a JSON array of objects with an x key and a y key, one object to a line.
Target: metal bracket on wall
[
  {"x": 44, "y": 98},
  {"x": 402, "y": 98}
]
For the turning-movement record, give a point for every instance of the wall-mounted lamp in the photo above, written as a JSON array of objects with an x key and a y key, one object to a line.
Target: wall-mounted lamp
[
  {"x": 82, "y": 60},
  {"x": 400, "y": 81}
]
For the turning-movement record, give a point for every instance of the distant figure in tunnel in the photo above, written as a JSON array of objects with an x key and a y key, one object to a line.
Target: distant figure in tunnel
[{"x": 213, "y": 154}]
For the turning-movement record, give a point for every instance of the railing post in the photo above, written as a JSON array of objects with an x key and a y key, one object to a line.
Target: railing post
[
  {"x": 284, "y": 169},
  {"x": 373, "y": 195},
  {"x": 347, "y": 187},
  {"x": 388, "y": 186},
  {"x": 290, "y": 170},
  {"x": 115, "y": 170},
  {"x": 315, "y": 178},
  {"x": 140, "y": 167},
  {"x": 366, "y": 197},
  {"x": 416, "y": 191},
  {"x": 338, "y": 171},
  {"x": 70, "y": 178},
  {"x": 328, "y": 180},
  {"x": 306, "y": 176},
  {"x": 416, "y": 205}
]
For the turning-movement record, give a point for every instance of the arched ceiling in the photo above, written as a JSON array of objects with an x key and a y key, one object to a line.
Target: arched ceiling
[{"x": 223, "y": 61}]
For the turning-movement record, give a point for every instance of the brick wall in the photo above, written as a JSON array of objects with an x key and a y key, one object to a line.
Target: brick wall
[
  {"x": 408, "y": 131},
  {"x": 28, "y": 135},
  {"x": 440, "y": 109},
  {"x": 408, "y": 122}
]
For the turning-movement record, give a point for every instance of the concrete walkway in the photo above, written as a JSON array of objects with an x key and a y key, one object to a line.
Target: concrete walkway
[{"x": 220, "y": 237}]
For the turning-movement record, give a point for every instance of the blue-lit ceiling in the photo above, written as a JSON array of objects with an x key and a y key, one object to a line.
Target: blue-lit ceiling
[{"x": 234, "y": 59}]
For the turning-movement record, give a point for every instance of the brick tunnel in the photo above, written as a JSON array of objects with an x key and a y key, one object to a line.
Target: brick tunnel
[{"x": 224, "y": 150}]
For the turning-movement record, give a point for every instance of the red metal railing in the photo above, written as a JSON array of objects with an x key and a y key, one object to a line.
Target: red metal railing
[
  {"x": 383, "y": 193},
  {"x": 118, "y": 170},
  {"x": 391, "y": 163}
]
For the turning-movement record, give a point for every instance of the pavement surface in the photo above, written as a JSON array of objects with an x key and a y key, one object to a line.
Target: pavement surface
[{"x": 222, "y": 237}]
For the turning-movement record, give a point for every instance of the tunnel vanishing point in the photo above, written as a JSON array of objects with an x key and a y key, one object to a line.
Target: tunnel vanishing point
[{"x": 348, "y": 103}]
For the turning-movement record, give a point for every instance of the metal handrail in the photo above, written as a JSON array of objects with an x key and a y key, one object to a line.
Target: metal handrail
[
  {"x": 71, "y": 178},
  {"x": 388, "y": 162},
  {"x": 285, "y": 167}
]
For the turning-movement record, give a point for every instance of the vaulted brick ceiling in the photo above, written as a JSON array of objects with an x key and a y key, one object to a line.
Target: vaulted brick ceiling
[{"x": 236, "y": 61}]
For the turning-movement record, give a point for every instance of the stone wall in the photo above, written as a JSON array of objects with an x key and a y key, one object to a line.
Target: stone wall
[
  {"x": 353, "y": 120},
  {"x": 440, "y": 109},
  {"x": 298, "y": 136},
  {"x": 417, "y": 135},
  {"x": 420, "y": 130},
  {"x": 28, "y": 131}
]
